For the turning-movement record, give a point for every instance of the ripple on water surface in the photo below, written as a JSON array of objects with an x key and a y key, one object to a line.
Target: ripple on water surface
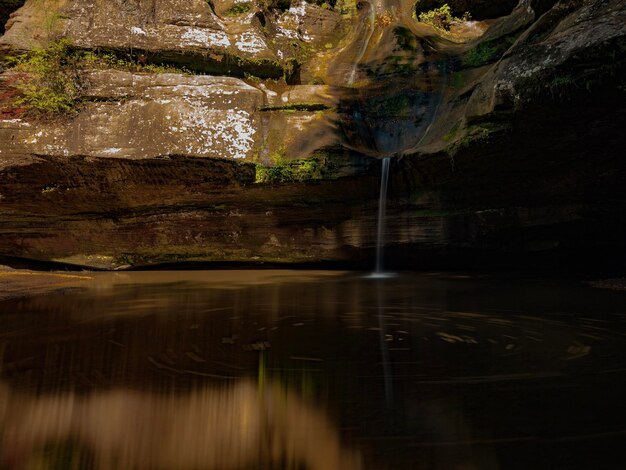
[{"x": 318, "y": 370}]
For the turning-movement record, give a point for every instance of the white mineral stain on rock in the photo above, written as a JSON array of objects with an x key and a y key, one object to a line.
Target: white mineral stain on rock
[
  {"x": 288, "y": 33},
  {"x": 201, "y": 91},
  {"x": 299, "y": 9},
  {"x": 291, "y": 24},
  {"x": 57, "y": 150},
  {"x": 302, "y": 123},
  {"x": 111, "y": 151},
  {"x": 250, "y": 42},
  {"x": 19, "y": 122},
  {"x": 204, "y": 37},
  {"x": 138, "y": 31},
  {"x": 219, "y": 132},
  {"x": 205, "y": 116},
  {"x": 237, "y": 131},
  {"x": 270, "y": 93}
]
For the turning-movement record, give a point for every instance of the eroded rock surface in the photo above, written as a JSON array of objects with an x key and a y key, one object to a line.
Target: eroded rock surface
[
  {"x": 576, "y": 48},
  {"x": 550, "y": 54},
  {"x": 148, "y": 115},
  {"x": 508, "y": 140}
]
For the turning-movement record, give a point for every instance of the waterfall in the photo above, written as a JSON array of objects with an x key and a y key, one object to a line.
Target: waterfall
[
  {"x": 382, "y": 205},
  {"x": 371, "y": 26}
]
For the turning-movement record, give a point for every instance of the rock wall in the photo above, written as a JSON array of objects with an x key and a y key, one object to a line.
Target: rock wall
[
  {"x": 508, "y": 140},
  {"x": 148, "y": 115}
]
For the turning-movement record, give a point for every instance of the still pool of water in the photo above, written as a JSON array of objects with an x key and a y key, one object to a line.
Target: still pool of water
[{"x": 314, "y": 370}]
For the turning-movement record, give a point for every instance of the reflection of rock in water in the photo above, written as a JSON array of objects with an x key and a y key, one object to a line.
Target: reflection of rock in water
[{"x": 224, "y": 428}]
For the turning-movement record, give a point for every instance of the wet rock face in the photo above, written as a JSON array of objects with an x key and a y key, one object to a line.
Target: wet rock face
[
  {"x": 107, "y": 212},
  {"x": 552, "y": 54},
  {"x": 496, "y": 151},
  {"x": 526, "y": 64},
  {"x": 379, "y": 123}
]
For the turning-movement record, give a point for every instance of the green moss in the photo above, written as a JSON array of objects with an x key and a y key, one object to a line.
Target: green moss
[
  {"x": 399, "y": 106},
  {"x": 563, "y": 86},
  {"x": 457, "y": 80},
  {"x": 238, "y": 9},
  {"x": 131, "y": 63},
  {"x": 317, "y": 167},
  {"x": 405, "y": 39},
  {"x": 451, "y": 134},
  {"x": 251, "y": 78},
  {"x": 266, "y": 68},
  {"x": 562, "y": 80},
  {"x": 488, "y": 52},
  {"x": 398, "y": 64},
  {"x": 476, "y": 135},
  {"x": 187, "y": 63}
]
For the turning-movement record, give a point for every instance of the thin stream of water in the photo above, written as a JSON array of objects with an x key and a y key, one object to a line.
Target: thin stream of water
[
  {"x": 364, "y": 44},
  {"x": 382, "y": 206}
]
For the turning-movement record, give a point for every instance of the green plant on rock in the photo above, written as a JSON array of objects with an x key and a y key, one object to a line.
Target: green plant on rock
[
  {"x": 405, "y": 39},
  {"x": 561, "y": 87},
  {"x": 273, "y": 174},
  {"x": 109, "y": 60},
  {"x": 310, "y": 169},
  {"x": 238, "y": 9},
  {"x": 325, "y": 4},
  {"x": 52, "y": 83},
  {"x": 488, "y": 52},
  {"x": 562, "y": 80},
  {"x": 482, "y": 54},
  {"x": 441, "y": 18}
]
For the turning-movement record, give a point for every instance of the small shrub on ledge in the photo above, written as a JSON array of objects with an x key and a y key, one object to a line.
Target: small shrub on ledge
[
  {"x": 50, "y": 82},
  {"x": 441, "y": 18}
]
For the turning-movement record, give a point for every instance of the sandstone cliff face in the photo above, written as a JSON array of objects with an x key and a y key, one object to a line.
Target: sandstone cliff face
[
  {"x": 509, "y": 137},
  {"x": 222, "y": 37},
  {"x": 142, "y": 115}
]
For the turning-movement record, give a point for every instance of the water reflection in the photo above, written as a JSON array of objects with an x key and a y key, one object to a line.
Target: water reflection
[
  {"x": 302, "y": 370},
  {"x": 239, "y": 426}
]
